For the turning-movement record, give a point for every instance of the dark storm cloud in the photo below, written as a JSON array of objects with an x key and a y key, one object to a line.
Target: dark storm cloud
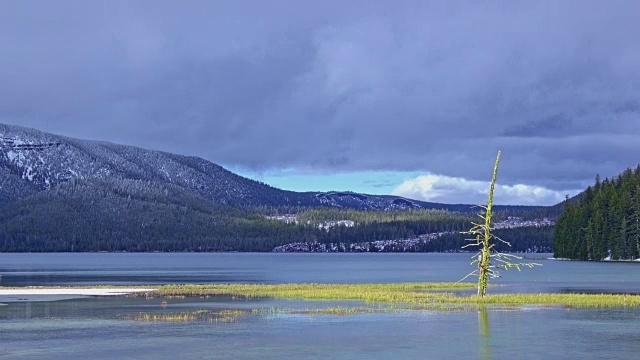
[
  {"x": 337, "y": 86},
  {"x": 553, "y": 126}
]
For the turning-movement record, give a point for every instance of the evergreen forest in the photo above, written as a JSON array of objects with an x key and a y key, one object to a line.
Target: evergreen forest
[
  {"x": 603, "y": 222},
  {"x": 138, "y": 215}
]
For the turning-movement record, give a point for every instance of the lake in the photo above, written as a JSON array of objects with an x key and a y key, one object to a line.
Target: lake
[{"x": 106, "y": 327}]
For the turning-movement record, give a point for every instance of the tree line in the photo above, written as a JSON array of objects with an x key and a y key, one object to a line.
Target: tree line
[
  {"x": 139, "y": 215},
  {"x": 603, "y": 222}
]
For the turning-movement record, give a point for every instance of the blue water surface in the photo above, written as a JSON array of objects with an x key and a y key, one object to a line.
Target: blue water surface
[{"x": 80, "y": 328}]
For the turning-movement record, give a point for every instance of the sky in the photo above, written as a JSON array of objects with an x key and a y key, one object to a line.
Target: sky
[{"x": 411, "y": 98}]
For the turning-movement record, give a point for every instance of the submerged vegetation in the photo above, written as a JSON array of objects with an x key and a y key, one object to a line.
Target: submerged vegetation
[
  {"x": 235, "y": 315},
  {"x": 227, "y": 315}
]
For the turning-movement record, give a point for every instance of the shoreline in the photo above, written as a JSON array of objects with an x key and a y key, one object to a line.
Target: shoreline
[
  {"x": 424, "y": 295},
  {"x": 72, "y": 291}
]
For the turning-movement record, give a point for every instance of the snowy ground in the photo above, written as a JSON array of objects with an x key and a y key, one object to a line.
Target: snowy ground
[{"x": 54, "y": 294}]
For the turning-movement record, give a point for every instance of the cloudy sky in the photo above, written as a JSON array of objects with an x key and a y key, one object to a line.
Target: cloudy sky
[{"x": 413, "y": 98}]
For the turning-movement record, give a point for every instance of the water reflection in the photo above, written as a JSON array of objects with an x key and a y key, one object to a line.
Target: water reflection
[
  {"x": 231, "y": 327},
  {"x": 484, "y": 333}
]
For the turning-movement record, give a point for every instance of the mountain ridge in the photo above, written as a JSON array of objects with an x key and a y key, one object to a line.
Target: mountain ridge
[
  {"x": 32, "y": 160},
  {"x": 64, "y": 194}
]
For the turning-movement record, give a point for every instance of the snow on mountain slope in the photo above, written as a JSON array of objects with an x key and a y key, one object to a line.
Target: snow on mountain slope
[
  {"x": 44, "y": 160},
  {"x": 32, "y": 161}
]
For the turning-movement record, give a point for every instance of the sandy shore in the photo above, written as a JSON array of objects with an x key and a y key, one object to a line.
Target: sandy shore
[{"x": 63, "y": 291}]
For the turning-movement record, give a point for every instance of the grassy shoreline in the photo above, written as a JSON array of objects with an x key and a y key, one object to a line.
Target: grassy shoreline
[
  {"x": 416, "y": 295},
  {"x": 420, "y": 294}
]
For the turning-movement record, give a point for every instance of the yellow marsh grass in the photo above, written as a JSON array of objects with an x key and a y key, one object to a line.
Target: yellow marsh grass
[
  {"x": 424, "y": 294},
  {"x": 420, "y": 295},
  {"x": 231, "y": 315},
  {"x": 405, "y": 292},
  {"x": 189, "y": 316},
  {"x": 339, "y": 310}
]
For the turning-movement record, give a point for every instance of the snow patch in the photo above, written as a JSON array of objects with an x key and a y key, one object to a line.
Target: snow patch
[{"x": 85, "y": 292}]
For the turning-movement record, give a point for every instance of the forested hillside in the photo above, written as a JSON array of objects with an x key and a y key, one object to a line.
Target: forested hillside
[
  {"x": 64, "y": 194},
  {"x": 127, "y": 215},
  {"x": 604, "y": 223},
  {"x": 412, "y": 230}
]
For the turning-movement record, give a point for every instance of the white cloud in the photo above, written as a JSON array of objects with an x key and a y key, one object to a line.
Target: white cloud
[{"x": 457, "y": 190}]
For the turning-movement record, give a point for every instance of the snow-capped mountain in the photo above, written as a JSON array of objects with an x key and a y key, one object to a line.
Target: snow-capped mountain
[
  {"x": 33, "y": 161},
  {"x": 63, "y": 194}
]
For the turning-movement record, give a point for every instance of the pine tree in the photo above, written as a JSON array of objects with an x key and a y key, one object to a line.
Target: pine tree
[
  {"x": 604, "y": 222},
  {"x": 634, "y": 226},
  {"x": 621, "y": 251}
]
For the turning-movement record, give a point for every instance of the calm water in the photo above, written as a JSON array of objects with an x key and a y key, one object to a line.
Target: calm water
[{"x": 103, "y": 327}]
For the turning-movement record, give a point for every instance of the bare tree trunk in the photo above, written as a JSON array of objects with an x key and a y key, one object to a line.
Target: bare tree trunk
[
  {"x": 485, "y": 259},
  {"x": 482, "y": 238}
]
